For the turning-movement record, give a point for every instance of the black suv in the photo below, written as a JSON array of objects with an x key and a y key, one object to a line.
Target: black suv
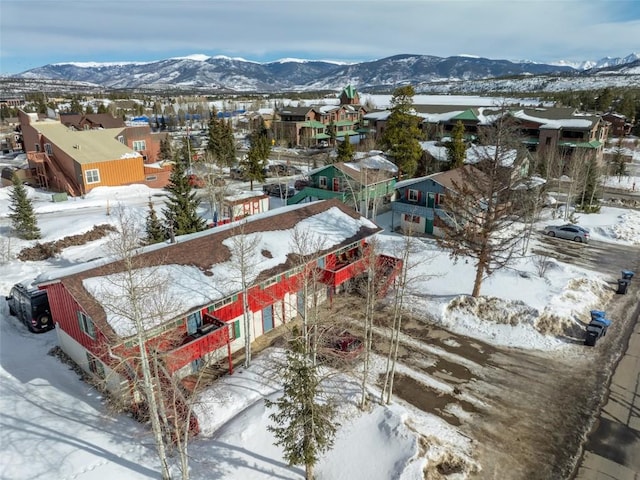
[{"x": 31, "y": 307}]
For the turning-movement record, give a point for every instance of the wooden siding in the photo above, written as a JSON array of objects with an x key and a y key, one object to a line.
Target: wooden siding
[
  {"x": 123, "y": 171},
  {"x": 156, "y": 178},
  {"x": 64, "y": 310}
]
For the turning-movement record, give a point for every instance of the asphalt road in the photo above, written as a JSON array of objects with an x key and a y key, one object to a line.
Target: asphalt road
[{"x": 612, "y": 450}]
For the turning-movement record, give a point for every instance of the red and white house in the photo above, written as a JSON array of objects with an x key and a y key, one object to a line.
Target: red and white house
[{"x": 94, "y": 323}]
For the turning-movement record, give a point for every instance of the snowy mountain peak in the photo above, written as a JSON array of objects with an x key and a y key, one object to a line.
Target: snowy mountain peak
[{"x": 198, "y": 57}]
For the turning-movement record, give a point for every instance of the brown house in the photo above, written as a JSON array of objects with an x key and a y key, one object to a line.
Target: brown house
[
  {"x": 75, "y": 161},
  {"x": 312, "y": 125}
]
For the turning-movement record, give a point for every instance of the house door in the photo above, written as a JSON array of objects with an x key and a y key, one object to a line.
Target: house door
[
  {"x": 194, "y": 322},
  {"x": 336, "y": 184},
  {"x": 267, "y": 319},
  {"x": 429, "y": 226},
  {"x": 431, "y": 200}
]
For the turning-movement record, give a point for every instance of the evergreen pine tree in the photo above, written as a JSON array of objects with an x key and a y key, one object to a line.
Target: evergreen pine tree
[
  {"x": 23, "y": 218},
  {"x": 182, "y": 204},
  {"x": 221, "y": 144},
  {"x": 618, "y": 161},
  {"x": 345, "y": 150},
  {"x": 154, "y": 228},
  {"x": 456, "y": 149},
  {"x": 257, "y": 156},
  {"x": 402, "y": 132},
  {"x": 166, "y": 152},
  {"x": 303, "y": 426}
]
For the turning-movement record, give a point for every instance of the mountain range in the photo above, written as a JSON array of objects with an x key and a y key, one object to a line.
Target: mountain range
[{"x": 425, "y": 72}]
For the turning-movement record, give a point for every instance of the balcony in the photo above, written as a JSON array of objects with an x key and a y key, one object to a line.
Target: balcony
[
  {"x": 213, "y": 334},
  {"x": 343, "y": 271}
]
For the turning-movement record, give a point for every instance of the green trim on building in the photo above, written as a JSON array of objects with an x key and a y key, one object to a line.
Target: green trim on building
[
  {"x": 321, "y": 136},
  {"x": 346, "y": 132},
  {"x": 591, "y": 144},
  {"x": 466, "y": 115},
  {"x": 313, "y": 124},
  {"x": 349, "y": 91}
]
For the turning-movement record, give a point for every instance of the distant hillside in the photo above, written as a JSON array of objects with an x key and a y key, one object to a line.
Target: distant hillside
[{"x": 426, "y": 72}]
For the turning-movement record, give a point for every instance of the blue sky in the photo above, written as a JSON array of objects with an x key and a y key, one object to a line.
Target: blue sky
[{"x": 38, "y": 32}]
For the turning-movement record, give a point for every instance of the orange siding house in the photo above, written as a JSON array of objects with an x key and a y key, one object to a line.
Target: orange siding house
[{"x": 76, "y": 161}]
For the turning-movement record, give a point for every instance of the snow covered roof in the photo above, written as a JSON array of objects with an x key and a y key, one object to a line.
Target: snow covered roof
[
  {"x": 438, "y": 152},
  {"x": 201, "y": 268},
  {"x": 477, "y": 153}
]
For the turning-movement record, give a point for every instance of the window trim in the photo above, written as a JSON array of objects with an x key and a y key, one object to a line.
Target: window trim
[
  {"x": 86, "y": 324},
  {"x": 95, "y": 365},
  {"x": 138, "y": 143},
  {"x": 413, "y": 195},
  {"x": 322, "y": 182},
  {"x": 48, "y": 149},
  {"x": 92, "y": 172}
]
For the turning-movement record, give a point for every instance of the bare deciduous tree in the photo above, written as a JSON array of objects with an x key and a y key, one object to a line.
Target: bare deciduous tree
[
  {"x": 482, "y": 221},
  {"x": 244, "y": 261}
]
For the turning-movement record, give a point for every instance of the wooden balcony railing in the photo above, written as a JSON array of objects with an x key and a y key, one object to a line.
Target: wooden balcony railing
[{"x": 213, "y": 334}]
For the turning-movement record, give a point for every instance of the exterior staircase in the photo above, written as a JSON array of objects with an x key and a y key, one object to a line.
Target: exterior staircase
[{"x": 49, "y": 174}]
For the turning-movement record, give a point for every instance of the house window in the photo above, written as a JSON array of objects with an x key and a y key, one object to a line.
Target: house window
[
  {"x": 37, "y": 147},
  {"x": 268, "y": 283},
  {"x": 439, "y": 199},
  {"x": 121, "y": 138},
  {"x": 411, "y": 218},
  {"x": 194, "y": 322},
  {"x": 92, "y": 176},
  {"x": 321, "y": 262},
  {"x": 139, "y": 145},
  {"x": 95, "y": 366},
  {"x": 48, "y": 149},
  {"x": 150, "y": 178},
  {"x": 86, "y": 324},
  {"x": 413, "y": 195},
  {"x": 222, "y": 303},
  {"x": 234, "y": 330},
  {"x": 322, "y": 181}
]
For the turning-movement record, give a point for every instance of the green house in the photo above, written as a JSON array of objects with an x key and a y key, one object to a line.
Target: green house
[{"x": 363, "y": 185}]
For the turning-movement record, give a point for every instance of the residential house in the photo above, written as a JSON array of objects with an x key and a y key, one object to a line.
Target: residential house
[
  {"x": 206, "y": 324},
  {"x": 620, "y": 125},
  {"x": 243, "y": 204},
  {"x": 420, "y": 203},
  {"x": 90, "y": 121},
  {"x": 311, "y": 125},
  {"x": 138, "y": 136},
  {"x": 75, "y": 161},
  {"x": 362, "y": 184},
  {"x": 564, "y": 129}
]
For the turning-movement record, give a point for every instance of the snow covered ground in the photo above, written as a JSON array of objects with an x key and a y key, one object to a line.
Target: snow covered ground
[{"x": 56, "y": 426}]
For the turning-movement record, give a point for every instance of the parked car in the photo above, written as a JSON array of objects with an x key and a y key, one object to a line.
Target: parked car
[
  {"x": 280, "y": 170},
  {"x": 238, "y": 174},
  {"x": 31, "y": 306},
  {"x": 301, "y": 183},
  {"x": 568, "y": 231},
  {"x": 281, "y": 190},
  {"x": 200, "y": 182}
]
